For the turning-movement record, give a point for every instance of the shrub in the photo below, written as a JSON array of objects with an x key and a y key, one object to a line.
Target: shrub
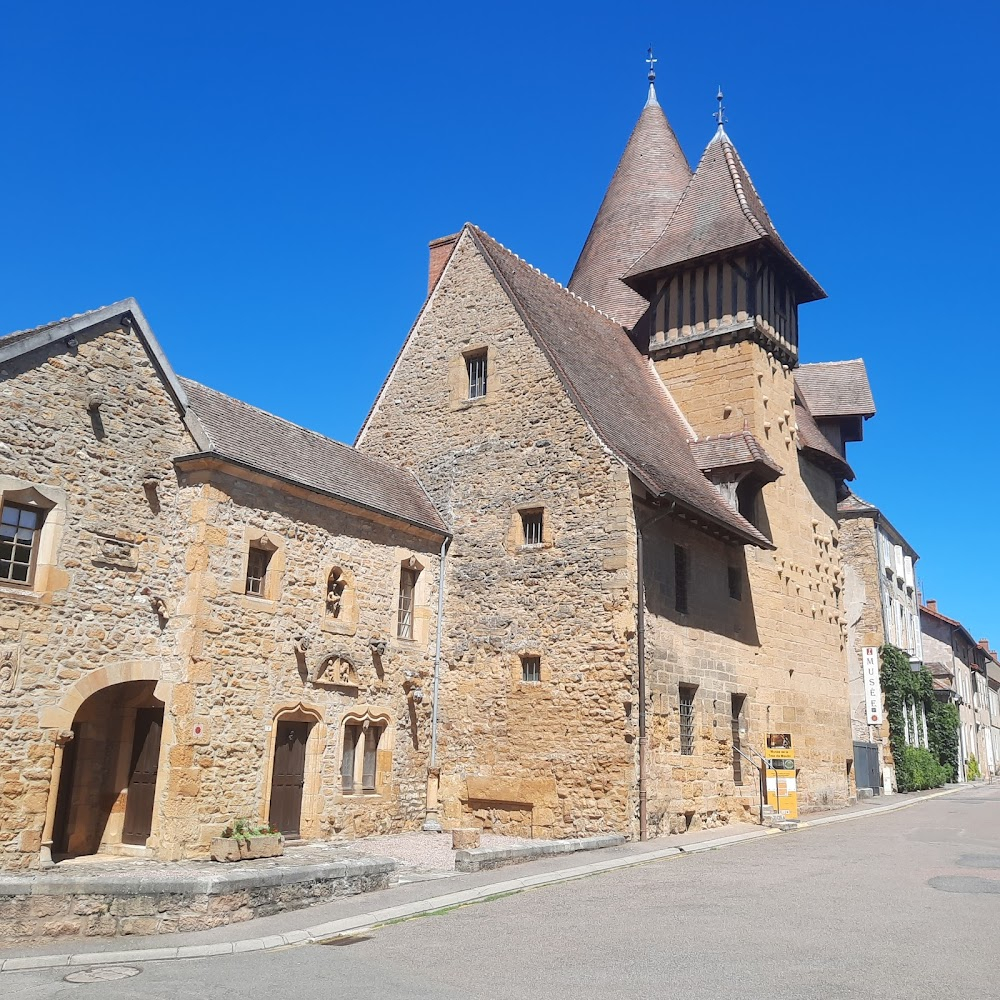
[
  {"x": 972, "y": 768},
  {"x": 917, "y": 769}
]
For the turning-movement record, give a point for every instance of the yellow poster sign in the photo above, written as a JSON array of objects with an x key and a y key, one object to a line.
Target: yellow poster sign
[{"x": 782, "y": 794}]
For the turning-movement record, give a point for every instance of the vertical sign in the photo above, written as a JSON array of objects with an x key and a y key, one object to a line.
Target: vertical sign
[
  {"x": 873, "y": 688},
  {"x": 782, "y": 793}
]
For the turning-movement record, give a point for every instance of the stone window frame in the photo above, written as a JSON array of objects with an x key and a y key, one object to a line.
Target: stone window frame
[
  {"x": 517, "y": 669},
  {"x": 420, "y": 610},
  {"x": 687, "y": 721},
  {"x": 458, "y": 376},
  {"x": 365, "y": 717},
  {"x": 45, "y": 577},
  {"x": 270, "y": 540},
  {"x": 346, "y": 622},
  {"x": 515, "y": 532}
]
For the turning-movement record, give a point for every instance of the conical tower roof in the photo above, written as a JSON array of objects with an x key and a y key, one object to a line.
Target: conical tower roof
[
  {"x": 649, "y": 181},
  {"x": 719, "y": 211}
]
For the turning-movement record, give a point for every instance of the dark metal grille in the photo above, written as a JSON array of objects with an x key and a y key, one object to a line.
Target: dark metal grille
[
  {"x": 476, "y": 366},
  {"x": 407, "y": 585},
  {"x": 19, "y": 527},
  {"x": 738, "y": 700},
  {"x": 257, "y": 562},
  {"x": 531, "y": 669},
  {"x": 531, "y": 522},
  {"x": 687, "y": 720}
]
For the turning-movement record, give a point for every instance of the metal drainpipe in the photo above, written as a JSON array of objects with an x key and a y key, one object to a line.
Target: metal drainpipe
[
  {"x": 641, "y": 638},
  {"x": 431, "y": 822}
]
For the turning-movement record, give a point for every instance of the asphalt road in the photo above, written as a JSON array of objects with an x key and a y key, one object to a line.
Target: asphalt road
[{"x": 902, "y": 905}]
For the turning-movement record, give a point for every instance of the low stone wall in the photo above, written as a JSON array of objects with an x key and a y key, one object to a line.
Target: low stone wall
[
  {"x": 54, "y": 904},
  {"x": 487, "y": 858}
]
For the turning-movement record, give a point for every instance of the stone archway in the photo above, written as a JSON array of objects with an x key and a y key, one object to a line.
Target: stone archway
[
  {"x": 305, "y": 722},
  {"x": 110, "y": 739}
]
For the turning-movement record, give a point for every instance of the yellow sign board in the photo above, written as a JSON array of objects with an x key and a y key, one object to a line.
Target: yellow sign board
[{"x": 782, "y": 794}]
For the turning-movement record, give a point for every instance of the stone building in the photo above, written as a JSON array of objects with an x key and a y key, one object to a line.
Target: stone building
[
  {"x": 205, "y": 612},
  {"x": 882, "y": 605},
  {"x": 958, "y": 665},
  {"x": 645, "y": 578}
]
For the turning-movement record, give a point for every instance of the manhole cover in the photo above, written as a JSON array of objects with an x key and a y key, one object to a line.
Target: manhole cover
[{"x": 103, "y": 974}]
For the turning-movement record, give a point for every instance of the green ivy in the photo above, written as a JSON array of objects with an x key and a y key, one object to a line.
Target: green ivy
[{"x": 917, "y": 768}]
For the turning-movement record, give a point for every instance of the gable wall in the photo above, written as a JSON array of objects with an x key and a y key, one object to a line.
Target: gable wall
[{"x": 549, "y": 758}]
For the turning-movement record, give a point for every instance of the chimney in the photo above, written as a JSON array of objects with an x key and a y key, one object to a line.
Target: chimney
[
  {"x": 984, "y": 644},
  {"x": 441, "y": 249},
  {"x": 932, "y": 606}
]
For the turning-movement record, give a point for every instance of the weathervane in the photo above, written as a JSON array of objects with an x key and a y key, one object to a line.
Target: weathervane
[
  {"x": 720, "y": 115},
  {"x": 651, "y": 61}
]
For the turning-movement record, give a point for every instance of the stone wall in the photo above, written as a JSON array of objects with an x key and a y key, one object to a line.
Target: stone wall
[
  {"x": 125, "y": 530},
  {"x": 557, "y": 757}
]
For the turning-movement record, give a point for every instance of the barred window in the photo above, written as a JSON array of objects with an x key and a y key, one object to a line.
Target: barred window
[
  {"x": 531, "y": 525},
  {"x": 19, "y": 531},
  {"x": 258, "y": 560},
  {"x": 531, "y": 669},
  {"x": 687, "y": 719},
  {"x": 681, "y": 579},
  {"x": 737, "y": 709},
  {"x": 476, "y": 367},
  {"x": 407, "y": 589}
]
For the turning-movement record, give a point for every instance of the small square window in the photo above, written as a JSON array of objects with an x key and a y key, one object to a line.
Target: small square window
[
  {"x": 258, "y": 560},
  {"x": 475, "y": 365},
  {"x": 531, "y": 526},
  {"x": 531, "y": 669},
  {"x": 735, "y": 584}
]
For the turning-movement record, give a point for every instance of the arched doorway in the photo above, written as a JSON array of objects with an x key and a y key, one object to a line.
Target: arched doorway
[
  {"x": 107, "y": 788},
  {"x": 293, "y": 780}
]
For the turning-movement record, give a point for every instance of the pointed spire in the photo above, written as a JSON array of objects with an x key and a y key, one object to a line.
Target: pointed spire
[
  {"x": 649, "y": 181},
  {"x": 651, "y": 76},
  {"x": 720, "y": 114},
  {"x": 719, "y": 211}
]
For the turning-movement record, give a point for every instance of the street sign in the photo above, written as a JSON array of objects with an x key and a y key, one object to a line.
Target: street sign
[
  {"x": 873, "y": 687},
  {"x": 782, "y": 791}
]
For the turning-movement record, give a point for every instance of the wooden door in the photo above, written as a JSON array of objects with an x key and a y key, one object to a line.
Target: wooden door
[
  {"x": 142, "y": 775},
  {"x": 288, "y": 777}
]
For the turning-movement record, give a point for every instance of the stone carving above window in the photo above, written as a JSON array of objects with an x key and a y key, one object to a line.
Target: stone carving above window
[
  {"x": 117, "y": 551},
  {"x": 336, "y": 670}
]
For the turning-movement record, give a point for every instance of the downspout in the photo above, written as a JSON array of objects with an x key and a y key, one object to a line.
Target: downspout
[
  {"x": 431, "y": 822},
  {"x": 641, "y": 638}
]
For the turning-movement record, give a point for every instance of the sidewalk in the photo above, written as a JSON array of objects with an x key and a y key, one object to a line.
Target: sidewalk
[{"x": 353, "y": 914}]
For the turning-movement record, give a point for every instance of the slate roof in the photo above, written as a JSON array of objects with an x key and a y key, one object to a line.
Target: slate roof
[
  {"x": 261, "y": 441},
  {"x": 853, "y": 504},
  {"x": 726, "y": 451},
  {"x": 616, "y": 390},
  {"x": 836, "y": 389},
  {"x": 812, "y": 441},
  {"x": 719, "y": 211},
  {"x": 647, "y": 184}
]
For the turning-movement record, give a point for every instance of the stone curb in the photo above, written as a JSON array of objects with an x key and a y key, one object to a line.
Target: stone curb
[
  {"x": 487, "y": 858},
  {"x": 376, "y": 918}
]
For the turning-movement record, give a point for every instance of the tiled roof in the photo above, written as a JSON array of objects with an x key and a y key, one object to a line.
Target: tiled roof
[
  {"x": 719, "y": 211},
  {"x": 813, "y": 442},
  {"x": 616, "y": 390},
  {"x": 836, "y": 389},
  {"x": 651, "y": 176},
  {"x": 731, "y": 451},
  {"x": 251, "y": 437},
  {"x": 853, "y": 504}
]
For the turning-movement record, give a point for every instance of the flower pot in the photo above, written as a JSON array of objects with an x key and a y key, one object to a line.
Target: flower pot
[{"x": 239, "y": 849}]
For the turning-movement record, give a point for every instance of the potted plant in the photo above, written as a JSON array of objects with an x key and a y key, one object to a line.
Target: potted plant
[{"x": 246, "y": 839}]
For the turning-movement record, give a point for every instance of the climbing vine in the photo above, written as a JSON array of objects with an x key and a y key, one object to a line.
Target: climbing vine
[{"x": 903, "y": 687}]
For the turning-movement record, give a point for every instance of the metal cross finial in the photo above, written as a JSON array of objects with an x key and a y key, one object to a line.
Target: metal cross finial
[
  {"x": 652, "y": 62},
  {"x": 720, "y": 114}
]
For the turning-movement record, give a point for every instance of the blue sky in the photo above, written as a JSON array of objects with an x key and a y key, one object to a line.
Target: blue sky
[{"x": 265, "y": 179}]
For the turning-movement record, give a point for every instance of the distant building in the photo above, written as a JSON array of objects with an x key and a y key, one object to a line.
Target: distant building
[{"x": 881, "y": 606}]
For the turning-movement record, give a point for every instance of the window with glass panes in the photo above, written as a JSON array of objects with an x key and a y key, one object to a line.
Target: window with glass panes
[
  {"x": 257, "y": 563},
  {"x": 19, "y": 531},
  {"x": 407, "y": 590},
  {"x": 475, "y": 365}
]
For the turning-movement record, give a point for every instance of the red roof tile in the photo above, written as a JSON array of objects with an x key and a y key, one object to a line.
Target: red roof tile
[
  {"x": 651, "y": 176},
  {"x": 836, "y": 388}
]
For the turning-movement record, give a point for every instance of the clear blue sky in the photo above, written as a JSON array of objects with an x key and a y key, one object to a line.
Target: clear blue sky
[{"x": 265, "y": 179}]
